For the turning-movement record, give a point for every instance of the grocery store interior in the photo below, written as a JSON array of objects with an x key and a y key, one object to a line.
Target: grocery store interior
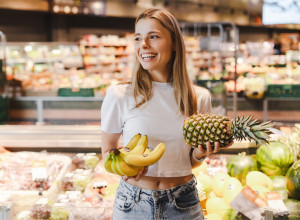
[{"x": 57, "y": 59}]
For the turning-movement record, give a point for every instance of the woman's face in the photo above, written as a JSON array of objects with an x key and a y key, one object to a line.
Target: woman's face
[{"x": 153, "y": 47}]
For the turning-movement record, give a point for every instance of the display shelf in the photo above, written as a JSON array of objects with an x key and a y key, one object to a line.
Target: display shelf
[
  {"x": 41, "y": 99},
  {"x": 23, "y": 56},
  {"x": 266, "y": 104},
  {"x": 100, "y": 52},
  {"x": 51, "y": 137}
]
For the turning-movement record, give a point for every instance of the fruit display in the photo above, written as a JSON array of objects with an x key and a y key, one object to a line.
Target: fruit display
[
  {"x": 86, "y": 189},
  {"x": 133, "y": 157},
  {"x": 202, "y": 128},
  {"x": 18, "y": 172},
  {"x": 276, "y": 173}
]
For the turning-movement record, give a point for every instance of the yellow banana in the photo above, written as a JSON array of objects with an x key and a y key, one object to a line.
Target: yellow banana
[
  {"x": 139, "y": 149},
  {"x": 133, "y": 142},
  {"x": 147, "y": 151},
  {"x": 107, "y": 163},
  {"x": 145, "y": 159},
  {"x": 114, "y": 167},
  {"x": 123, "y": 167}
]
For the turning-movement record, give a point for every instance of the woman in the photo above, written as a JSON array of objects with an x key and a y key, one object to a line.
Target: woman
[{"x": 156, "y": 102}]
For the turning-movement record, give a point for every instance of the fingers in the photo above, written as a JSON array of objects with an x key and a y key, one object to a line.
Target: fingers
[
  {"x": 217, "y": 147},
  {"x": 125, "y": 178},
  {"x": 141, "y": 173},
  {"x": 208, "y": 149},
  {"x": 201, "y": 150}
]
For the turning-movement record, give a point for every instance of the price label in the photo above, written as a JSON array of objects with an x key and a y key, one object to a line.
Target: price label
[
  {"x": 249, "y": 203},
  {"x": 276, "y": 204},
  {"x": 39, "y": 170}
]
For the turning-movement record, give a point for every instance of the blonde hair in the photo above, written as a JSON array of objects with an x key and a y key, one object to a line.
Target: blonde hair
[{"x": 183, "y": 88}]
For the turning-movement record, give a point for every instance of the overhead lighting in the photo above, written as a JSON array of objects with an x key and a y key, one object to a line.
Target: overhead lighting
[
  {"x": 98, "y": 8},
  {"x": 67, "y": 9},
  {"x": 74, "y": 10},
  {"x": 86, "y": 10},
  {"x": 56, "y": 8}
]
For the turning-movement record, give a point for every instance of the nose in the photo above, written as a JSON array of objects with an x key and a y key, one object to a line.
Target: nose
[{"x": 144, "y": 43}]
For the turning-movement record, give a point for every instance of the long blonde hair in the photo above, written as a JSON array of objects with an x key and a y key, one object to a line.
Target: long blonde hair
[{"x": 142, "y": 80}]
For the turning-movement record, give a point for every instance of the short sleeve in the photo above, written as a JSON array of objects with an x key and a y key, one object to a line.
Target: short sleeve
[
  {"x": 111, "y": 111},
  {"x": 203, "y": 100}
]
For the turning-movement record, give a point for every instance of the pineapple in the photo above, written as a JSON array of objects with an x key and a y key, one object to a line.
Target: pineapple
[{"x": 202, "y": 128}]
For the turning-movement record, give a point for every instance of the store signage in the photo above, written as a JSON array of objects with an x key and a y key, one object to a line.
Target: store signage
[{"x": 83, "y": 7}]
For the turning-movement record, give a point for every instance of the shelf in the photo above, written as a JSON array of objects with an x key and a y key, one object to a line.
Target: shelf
[
  {"x": 42, "y": 60},
  {"x": 86, "y": 137}
]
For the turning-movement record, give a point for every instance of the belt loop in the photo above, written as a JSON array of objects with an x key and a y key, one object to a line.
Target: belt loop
[
  {"x": 170, "y": 196},
  {"x": 137, "y": 195},
  {"x": 195, "y": 179}
]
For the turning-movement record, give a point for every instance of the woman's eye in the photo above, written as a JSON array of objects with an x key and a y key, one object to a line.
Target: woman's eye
[
  {"x": 137, "y": 39},
  {"x": 153, "y": 36}
]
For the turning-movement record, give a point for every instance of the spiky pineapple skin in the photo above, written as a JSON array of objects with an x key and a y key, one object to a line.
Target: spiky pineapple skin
[{"x": 202, "y": 128}]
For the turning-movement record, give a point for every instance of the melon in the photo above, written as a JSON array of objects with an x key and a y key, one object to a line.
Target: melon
[
  {"x": 293, "y": 181},
  {"x": 240, "y": 165},
  {"x": 232, "y": 187},
  {"x": 259, "y": 178},
  {"x": 218, "y": 183},
  {"x": 274, "y": 158},
  {"x": 217, "y": 205}
]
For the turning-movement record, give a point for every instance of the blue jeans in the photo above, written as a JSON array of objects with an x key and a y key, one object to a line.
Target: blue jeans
[{"x": 180, "y": 202}]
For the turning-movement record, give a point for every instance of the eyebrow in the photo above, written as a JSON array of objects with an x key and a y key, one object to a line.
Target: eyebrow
[{"x": 151, "y": 32}]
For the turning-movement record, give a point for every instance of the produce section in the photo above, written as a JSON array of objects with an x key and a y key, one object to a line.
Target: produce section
[{"x": 84, "y": 189}]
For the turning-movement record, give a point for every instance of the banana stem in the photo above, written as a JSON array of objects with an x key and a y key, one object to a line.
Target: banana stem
[{"x": 115, "y": 151}]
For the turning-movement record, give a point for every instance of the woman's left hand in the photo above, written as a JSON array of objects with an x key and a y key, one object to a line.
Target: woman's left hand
[
  {"x": 138, "y": 176},
  {"x": 201, "y": 151}
]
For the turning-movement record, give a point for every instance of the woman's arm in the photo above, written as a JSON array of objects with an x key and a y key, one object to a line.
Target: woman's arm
[
  {"x": 109, "y": 142},
  {"x": 200, "y": 153}
]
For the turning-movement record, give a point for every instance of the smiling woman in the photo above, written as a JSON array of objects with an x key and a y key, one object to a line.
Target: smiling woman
[
  {"x": 155, "y": 103},
  {"x": 154, "y": 49}
]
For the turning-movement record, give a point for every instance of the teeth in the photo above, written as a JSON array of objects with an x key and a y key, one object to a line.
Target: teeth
[{"x": 148, "y": 55}]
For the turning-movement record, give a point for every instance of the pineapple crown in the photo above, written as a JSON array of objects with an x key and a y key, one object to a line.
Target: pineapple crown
[{"x": 244, "y": 128}]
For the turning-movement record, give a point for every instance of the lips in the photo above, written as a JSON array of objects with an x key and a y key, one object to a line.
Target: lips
[{"x": 147, "y": 56}]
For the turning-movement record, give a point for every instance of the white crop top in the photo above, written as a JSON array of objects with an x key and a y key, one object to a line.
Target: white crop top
[{"x": 159, "y": 118}]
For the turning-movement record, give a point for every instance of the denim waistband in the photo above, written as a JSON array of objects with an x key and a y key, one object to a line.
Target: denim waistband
[{"x": 176, "y": 191}]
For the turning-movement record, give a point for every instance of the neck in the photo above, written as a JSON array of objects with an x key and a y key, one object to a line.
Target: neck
[{"x": 160, "y": 77}]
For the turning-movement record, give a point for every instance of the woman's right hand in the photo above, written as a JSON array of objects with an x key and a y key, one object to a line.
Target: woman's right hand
[{"x": 140, "y": 174}]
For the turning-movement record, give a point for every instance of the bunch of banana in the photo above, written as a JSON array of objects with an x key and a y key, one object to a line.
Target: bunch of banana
[{"x": 129, "y": 160}]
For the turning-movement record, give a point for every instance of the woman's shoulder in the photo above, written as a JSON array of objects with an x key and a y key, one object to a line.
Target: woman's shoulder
[
  {"x": 201, "y": 91},
  {"x": 118, "y": 90}
]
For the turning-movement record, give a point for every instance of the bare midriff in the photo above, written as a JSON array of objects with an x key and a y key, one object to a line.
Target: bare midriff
[{"x": 159, "y": 183}]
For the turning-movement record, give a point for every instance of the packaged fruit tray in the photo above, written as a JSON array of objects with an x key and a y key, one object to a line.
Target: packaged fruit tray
[
  {"x": 29, "y": 173},
  {"x": 283, "y": 91}
]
